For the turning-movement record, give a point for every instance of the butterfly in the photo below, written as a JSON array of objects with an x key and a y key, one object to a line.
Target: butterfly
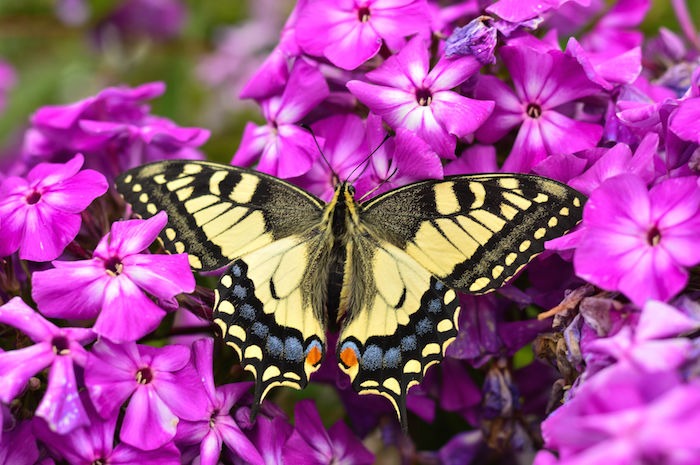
[{"x": 384, "y": 272}]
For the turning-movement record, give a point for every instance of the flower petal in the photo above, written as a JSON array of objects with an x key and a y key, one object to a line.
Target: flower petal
[
  {"x": 148, "y": 422},
  {"x": 61, "y": 406},
  {"x": 47, "y": 232},
  {"x": 19, "y": 315},
  {"x": 75, "y": 194},
  {"x": 17, "y": 366},
  {"x": 163, "y": 276},
  {"x": 461, "y": 116},
  {"x": 127, "y": 314},
  {"x": 130, "y": 237},
  {"x": 81, "y": 300}
]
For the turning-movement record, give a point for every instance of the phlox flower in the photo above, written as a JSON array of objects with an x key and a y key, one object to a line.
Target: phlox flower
[
  {"x": 162, "y": 385},
  {"x": 406, "y": 93},
  {"x": 543, "y": 81},
  {"x": 114, "y": 129},
  {"x": 281, "y": 147},
  {"x": 312, "y": 444},
  {"x": 651, "y": 344},
  {"x": 350, "y": 32},
  {"x": 215, "y": 426},
  {"x": 640, "y": 242},
  {"x": 94, "y": 443},
  {"x": 626, "y": 417},
  {"x": 18, "y": 446},
  {"x": 60, "y": 349},
  {"x": 112, "y": 285},
  {"x": 40, "y": 214}
]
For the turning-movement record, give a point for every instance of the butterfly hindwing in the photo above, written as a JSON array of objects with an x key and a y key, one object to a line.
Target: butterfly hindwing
[
  {"x": 475, "y": 232},
  {"x": 266, "y": 310},
  {"x": 401, "y": 320},
  {"x": 217, "y": 213}
]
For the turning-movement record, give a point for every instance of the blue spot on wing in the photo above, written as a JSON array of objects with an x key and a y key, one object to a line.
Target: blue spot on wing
[
  {"x": 392, "y": 358},
  {"x": 293, "y": 350},
  {"x": 424, "y": 326},
  {"x": 408, "y": 343},
  {"x": 372, "y": 358},
  {"x": 274, "y": 346},
  {"x": 240, "y": 291},
  {"x": 247, "y": 312}
]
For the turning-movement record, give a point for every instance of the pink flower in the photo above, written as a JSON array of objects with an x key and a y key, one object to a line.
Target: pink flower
[
  {"x": 543, "y": 81},
  {"x": 112, "y": 285},
  {"x": 161, "y": 382},
  {"x": 407, "y": 94},
  {"x": 281, "y": 147},
  {"x": 57, "y": 348},
  {"x": 640, "y": 242},
  {"x": 40, "y": 215},
  {"x": 350, "y": 32}
]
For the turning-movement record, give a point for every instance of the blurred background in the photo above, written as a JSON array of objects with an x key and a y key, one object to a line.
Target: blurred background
[{"x": 65, "y": 50}]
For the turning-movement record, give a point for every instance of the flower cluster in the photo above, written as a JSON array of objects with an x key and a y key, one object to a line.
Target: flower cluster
[{"x": 105, "y": 352}]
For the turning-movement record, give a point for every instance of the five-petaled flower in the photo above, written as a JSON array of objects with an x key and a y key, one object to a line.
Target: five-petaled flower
[{"x": 111, "y": 285}]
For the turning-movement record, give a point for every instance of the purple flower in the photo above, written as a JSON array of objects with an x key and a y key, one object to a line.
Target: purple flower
[
  {"x": 40, "y": 215},
  {"x": 155, "y": 19},
  {"x": 651, "y": 344},
  {"x": 407, "y": 94},
  {"x": 281, "y": 147},
  {"x": 350, "y": 32},
  {"x": 400, "y": 160},
  {"x": 18, "y": 446},
  {"x": 543, "y": 81},
  {"x": 111, "y": 285},
  {"x": 216, "y": 426},
  {"x": 57, "y": 348},
  {"x": 163, "y": 385},
  {"x": 311, "y": 444},
  {"x": 113, "y": 129},
  {"x": 516, "y": 11},
  {"x": 94, "y": 443},
  {"x": 622, "y": 416},
  {"x": 343, "y": 139},
  {"x": 640, "y": 242}
]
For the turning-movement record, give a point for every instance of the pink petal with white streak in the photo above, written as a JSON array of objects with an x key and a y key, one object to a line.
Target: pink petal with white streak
[
  {"x": 163, "y": 276},
  {"x": 127, "y": 314},
  {"x": 61, "y": 406},
  {"x": 148, "y": 422},
  {"x": 130, "y": 236}
]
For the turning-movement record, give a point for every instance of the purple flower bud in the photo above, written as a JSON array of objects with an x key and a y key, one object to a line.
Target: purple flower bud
[{"x": 478, "y": 38}]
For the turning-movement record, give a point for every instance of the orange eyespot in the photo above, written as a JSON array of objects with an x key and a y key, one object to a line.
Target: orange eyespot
[
  {"x": 348, "y": 357},
  {"x": 314, "y": 356}
]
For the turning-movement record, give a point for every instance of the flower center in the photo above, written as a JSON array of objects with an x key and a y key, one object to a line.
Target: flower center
[
  {"x": 33, "y": 197},
  {"x": 533, "y": 110},
  {"x": 99, "y": 461},
  {"x": 653, "y": 236},
  {"x": 114, "y": 266},
  {"x": 212, "y": 417},
  {"x": 424, "y": 97},
  {"x": 363, "y": 14},
  {"x": 60, "y": 345},
  {"x": 144, "y": 376}
]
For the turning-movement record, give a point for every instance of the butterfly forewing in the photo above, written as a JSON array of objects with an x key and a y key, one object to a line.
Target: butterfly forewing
[
  {"x": 475, "y": 232},
  {"x": 217, "y": 213}
]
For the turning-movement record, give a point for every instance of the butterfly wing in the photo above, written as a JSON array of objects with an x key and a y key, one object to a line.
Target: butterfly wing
[
  {"x": 268, "y": 304},
  {"x": 399, "y": 322},
  {"x": 217, "y": 213},
  {"x": 269, "y": 310},
  {"x": 469, "y": 233},
  {"x": 475, "y": 232}
]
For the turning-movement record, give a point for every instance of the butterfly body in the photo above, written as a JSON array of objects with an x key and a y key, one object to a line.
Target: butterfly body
[{"x": 384, "y": 272}]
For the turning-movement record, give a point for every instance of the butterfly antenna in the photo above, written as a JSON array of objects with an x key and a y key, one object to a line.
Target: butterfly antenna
[
  {"x": 336, "y": 178},
  {"x": 378, "y": 186},
  {"x": 365, "y": 162}
]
